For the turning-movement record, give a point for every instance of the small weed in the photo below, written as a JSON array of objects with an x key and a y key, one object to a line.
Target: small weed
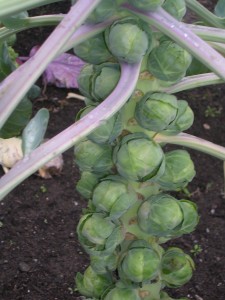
[
  {"x": 197, "y": 249},
  {"x": 212, "y": 111},
  {"x": 43, "y": 188}
]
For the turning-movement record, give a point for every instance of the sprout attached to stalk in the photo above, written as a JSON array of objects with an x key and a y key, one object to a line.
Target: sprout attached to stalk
[{"x": 177, "y": 8}]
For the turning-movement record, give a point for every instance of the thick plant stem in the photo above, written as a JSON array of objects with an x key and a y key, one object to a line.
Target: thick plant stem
[
  {"x": 67, "y": 138},
  {"x": 205, "y": 14},
  {"x": 211, "y": 34},
  {"x": 16, "y": 85},
  {"x": 184, "y": 37},
  {"x": 192, "y": 82},
  {"x": 12, "y": 7},
  {"x": 193, "y": 142}
]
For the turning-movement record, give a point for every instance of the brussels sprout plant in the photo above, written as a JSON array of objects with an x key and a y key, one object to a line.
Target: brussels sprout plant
[{"x": 137, "y": 55}]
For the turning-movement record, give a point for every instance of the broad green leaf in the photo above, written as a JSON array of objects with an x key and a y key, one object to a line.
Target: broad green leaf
[
  {"x": 220, "y": 9},
  {"x": 18, "y": 119},
  {"x": 6, "y": 64},
  {"x": 34, "y": 132}
]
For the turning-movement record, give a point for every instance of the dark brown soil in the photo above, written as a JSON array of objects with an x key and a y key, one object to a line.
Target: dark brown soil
[{"x": 39, "y": 251}]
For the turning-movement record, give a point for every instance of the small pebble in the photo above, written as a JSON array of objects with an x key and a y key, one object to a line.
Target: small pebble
[
  {"x": 206, "y": 126},
  {"x": 24, "y": 267},
  {"x": 207, "y": 230}
]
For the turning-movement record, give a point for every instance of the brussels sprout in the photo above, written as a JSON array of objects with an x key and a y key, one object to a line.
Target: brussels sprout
[
  {"x": 93, "y": 50},
  {"x": 156, "y": 111},
  {"x": 128, "y": 39},
  {"x": 105, "y": 80},
  {"x": 138, "y": 158},
  {"x": 86, "y": 184},
  {"x": 94, "y": 158},
  {"x": 92, "y": 284},
  {"x": 190, "y": 217},
  {"x": 122, "y": 294},
  {"x": 107, "y": 132},
  {"x": 113, "y": 196},
  {"x": 146, "y": 4},
  {"x": 179, "y": 170},
  {"x": 169, "y": 61},
  {"x": 177, "y": 8},
  {"x": 183, "y": 120},
  {"x": 176, "y": 268},
  {"x": 97, "y": 229},
  {"x": 96, "y": 82},
  {"x": 160, "y": 215},
  {"x": 140, "y": 263},
  {"x": 102, "y": 12},
  {"x": 103, "y": 264}
]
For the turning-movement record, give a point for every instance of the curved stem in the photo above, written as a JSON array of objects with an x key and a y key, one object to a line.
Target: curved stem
[
  {"x": 184, "y": 37},
  {"x": 16, "y": 85},
  {"x": 12, "y": 7},
  {"x": 205, "y": 14},
  {"x": 194, "y": 81},
  {"x": 74, "y": 133},
  {"x": 193, "y": 142}
]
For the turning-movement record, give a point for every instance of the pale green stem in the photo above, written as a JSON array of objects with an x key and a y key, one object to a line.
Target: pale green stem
[
  {"x": 12, "y": 7},
  {"x": 205, "y": 14},
  {"x": 47, "y": 20},
  {"x": 211, "y": 34},
  {"x": 194, "y": 81},
  {"x": 67, "y": 138},
  {"x": 16, "y": 85},
  {"x": 219, "y": 47},
  {"x": 191, "y": 141}
]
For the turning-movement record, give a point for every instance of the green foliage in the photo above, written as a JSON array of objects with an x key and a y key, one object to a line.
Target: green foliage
[{"x": 146, "y": 4}]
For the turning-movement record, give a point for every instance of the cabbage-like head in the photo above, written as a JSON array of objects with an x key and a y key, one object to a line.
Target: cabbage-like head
[
  {"x": 146, "y": 4},
  {"x": 129, "y": 39},
  {"x": 160, "y": 215},
  {"x": 102, "y": 12},
  {"x": 138, "y": 158},
  {"x": 92, "y": 157},
  {"x": 93, "y": 50},
  {"x": 177, "y": 8},
  {"x": 140, "y": 263},
  {"x": 92, "y": 284},
  {"x": 169, "y": 61},
  {"x": 176, "y": 267},
  {"x": 156, "y": 111},
  {"x": 87, "y": 183},
  {"x": 179, "y": 170}
]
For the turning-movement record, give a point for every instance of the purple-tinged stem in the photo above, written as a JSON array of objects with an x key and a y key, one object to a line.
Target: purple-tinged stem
[
  {"x": 16, "y": 85},
  {"x": 184, "y": 37},
  {"x": 67, "y": 138},
  {"x": 193, "y": 142}
]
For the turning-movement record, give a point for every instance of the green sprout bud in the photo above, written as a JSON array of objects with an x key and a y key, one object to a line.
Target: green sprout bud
[
  {"x": 177, "y": 8},
  {"x": 177, "y": 267},
  {"x": 94, "y": 158},
  {"x": 128, "y": 40},
  {"x": 169, "y": 61},
  {"x": 179, "y": 170},
  {"x": 190, "y": 217},
  {"x": 97, "y": 229},
  {"x": 92, "y": 284},
  {"x": 96, "y": 82},
  {"x": 146, "y": 4},
  {"x": 160, "y": 215},
  {"x": 103, "y": 264},
  {"x": 93, "y": 50},
  {"x": 105, "y": 80},
  {"x": 86, "y": 184},
  {"x": 113, "y": 196},
  {"x": 102, "y": 12},
  {"x": 156, "y": 111},
  {"x": 122, "y": 293},
  {"x": 107, "y": 132},
  {"x": 183, "y": 120},
  {"x": 140, "y": 263},
  {"x": 138, "y": 158}
]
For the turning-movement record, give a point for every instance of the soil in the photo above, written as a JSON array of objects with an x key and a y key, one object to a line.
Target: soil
[{"x": 39, "y": 251}]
